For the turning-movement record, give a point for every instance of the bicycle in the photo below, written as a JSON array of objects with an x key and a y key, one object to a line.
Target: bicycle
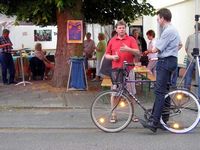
[{"x": 181, "y": 112}]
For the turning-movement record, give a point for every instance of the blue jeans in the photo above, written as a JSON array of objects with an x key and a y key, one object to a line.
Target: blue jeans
[
  {"x": 174, "y": 77},
  {"x": 164, "y": 69},
  {"x": 188, "y": 77},
  {"x": 7, "y": 63}
]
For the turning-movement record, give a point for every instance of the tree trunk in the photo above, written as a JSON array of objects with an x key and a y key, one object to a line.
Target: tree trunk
[{"x": 64, "y": 50}]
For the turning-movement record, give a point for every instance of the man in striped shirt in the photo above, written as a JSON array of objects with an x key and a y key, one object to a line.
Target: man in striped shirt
[{"x": 7, "y": 62}]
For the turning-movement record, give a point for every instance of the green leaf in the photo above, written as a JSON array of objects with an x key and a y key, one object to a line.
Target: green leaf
[{"x": 44, "y": 12}]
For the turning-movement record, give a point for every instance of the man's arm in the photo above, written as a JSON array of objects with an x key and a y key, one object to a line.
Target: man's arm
[
  {"x": 108, "y": 53},
  {"x": 125, "y": 48},
  {"x": 112, "y": 57},
  {"x": 4, "y": 45},
  {"x": 154, "y": 50}
]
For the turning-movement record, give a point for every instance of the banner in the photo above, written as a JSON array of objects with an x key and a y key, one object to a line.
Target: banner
[{"x": 74, "y": 31}]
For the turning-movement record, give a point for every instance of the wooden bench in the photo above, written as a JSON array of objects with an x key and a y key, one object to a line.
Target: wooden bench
[{"x": 106, "y": 82}]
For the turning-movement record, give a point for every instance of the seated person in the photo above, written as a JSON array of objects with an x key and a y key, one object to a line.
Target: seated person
[
  {"x": 40, "y": 54},
  {"x": 37, "y": 67}
]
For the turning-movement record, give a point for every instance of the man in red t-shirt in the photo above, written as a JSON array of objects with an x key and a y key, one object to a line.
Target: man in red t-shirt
[{"x": 122, "y": 48}]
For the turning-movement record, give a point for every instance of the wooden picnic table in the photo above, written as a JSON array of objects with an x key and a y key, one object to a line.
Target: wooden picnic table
[{"x": 143, "y": 71}]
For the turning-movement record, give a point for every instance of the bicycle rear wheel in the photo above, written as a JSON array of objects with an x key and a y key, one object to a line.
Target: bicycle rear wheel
[
  {"x": 181, "y": 111},
  {"x": 110, "y": 103}
]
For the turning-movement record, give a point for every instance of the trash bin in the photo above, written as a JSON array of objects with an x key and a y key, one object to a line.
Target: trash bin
[{"x": 77, "y": 77}]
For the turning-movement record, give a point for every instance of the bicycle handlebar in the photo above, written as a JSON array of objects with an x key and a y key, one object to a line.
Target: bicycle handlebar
[{"x": 126, "y": 64}]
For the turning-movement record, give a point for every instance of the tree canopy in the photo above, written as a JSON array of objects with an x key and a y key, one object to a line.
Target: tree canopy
[{"x": 43, "y": 12}]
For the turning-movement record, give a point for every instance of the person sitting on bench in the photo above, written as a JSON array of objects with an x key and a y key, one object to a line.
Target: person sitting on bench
[{"x": 40, "y": 54}]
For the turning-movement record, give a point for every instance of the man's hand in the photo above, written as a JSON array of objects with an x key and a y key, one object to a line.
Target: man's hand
[
  {"x": 8, "y": 44},
  {"x": 112, "y": 57},
  {"x": 124, "y": 48},
  {"x": 145, "y": 52},
  {"x": 115, "y": 57}
]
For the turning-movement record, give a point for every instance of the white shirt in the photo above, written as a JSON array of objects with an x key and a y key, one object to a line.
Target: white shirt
[{"x": 151, "y": 45}]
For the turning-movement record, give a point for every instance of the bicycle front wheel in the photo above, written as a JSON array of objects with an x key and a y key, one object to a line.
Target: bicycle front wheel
[
  {"x": 181, "y": 111},
  {"x": 110, "y": 104}
]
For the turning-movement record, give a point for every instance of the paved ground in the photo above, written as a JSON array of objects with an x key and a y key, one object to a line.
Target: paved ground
[{"x": 42, "y": 94}]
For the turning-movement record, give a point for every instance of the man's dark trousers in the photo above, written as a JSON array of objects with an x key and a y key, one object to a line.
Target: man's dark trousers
[
  {"x": 7, "y": 63},
  {"x": 164, "y": 69}
]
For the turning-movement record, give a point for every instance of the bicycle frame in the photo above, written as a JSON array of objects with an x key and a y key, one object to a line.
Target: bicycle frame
[{"x": 123, "y": 89}]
